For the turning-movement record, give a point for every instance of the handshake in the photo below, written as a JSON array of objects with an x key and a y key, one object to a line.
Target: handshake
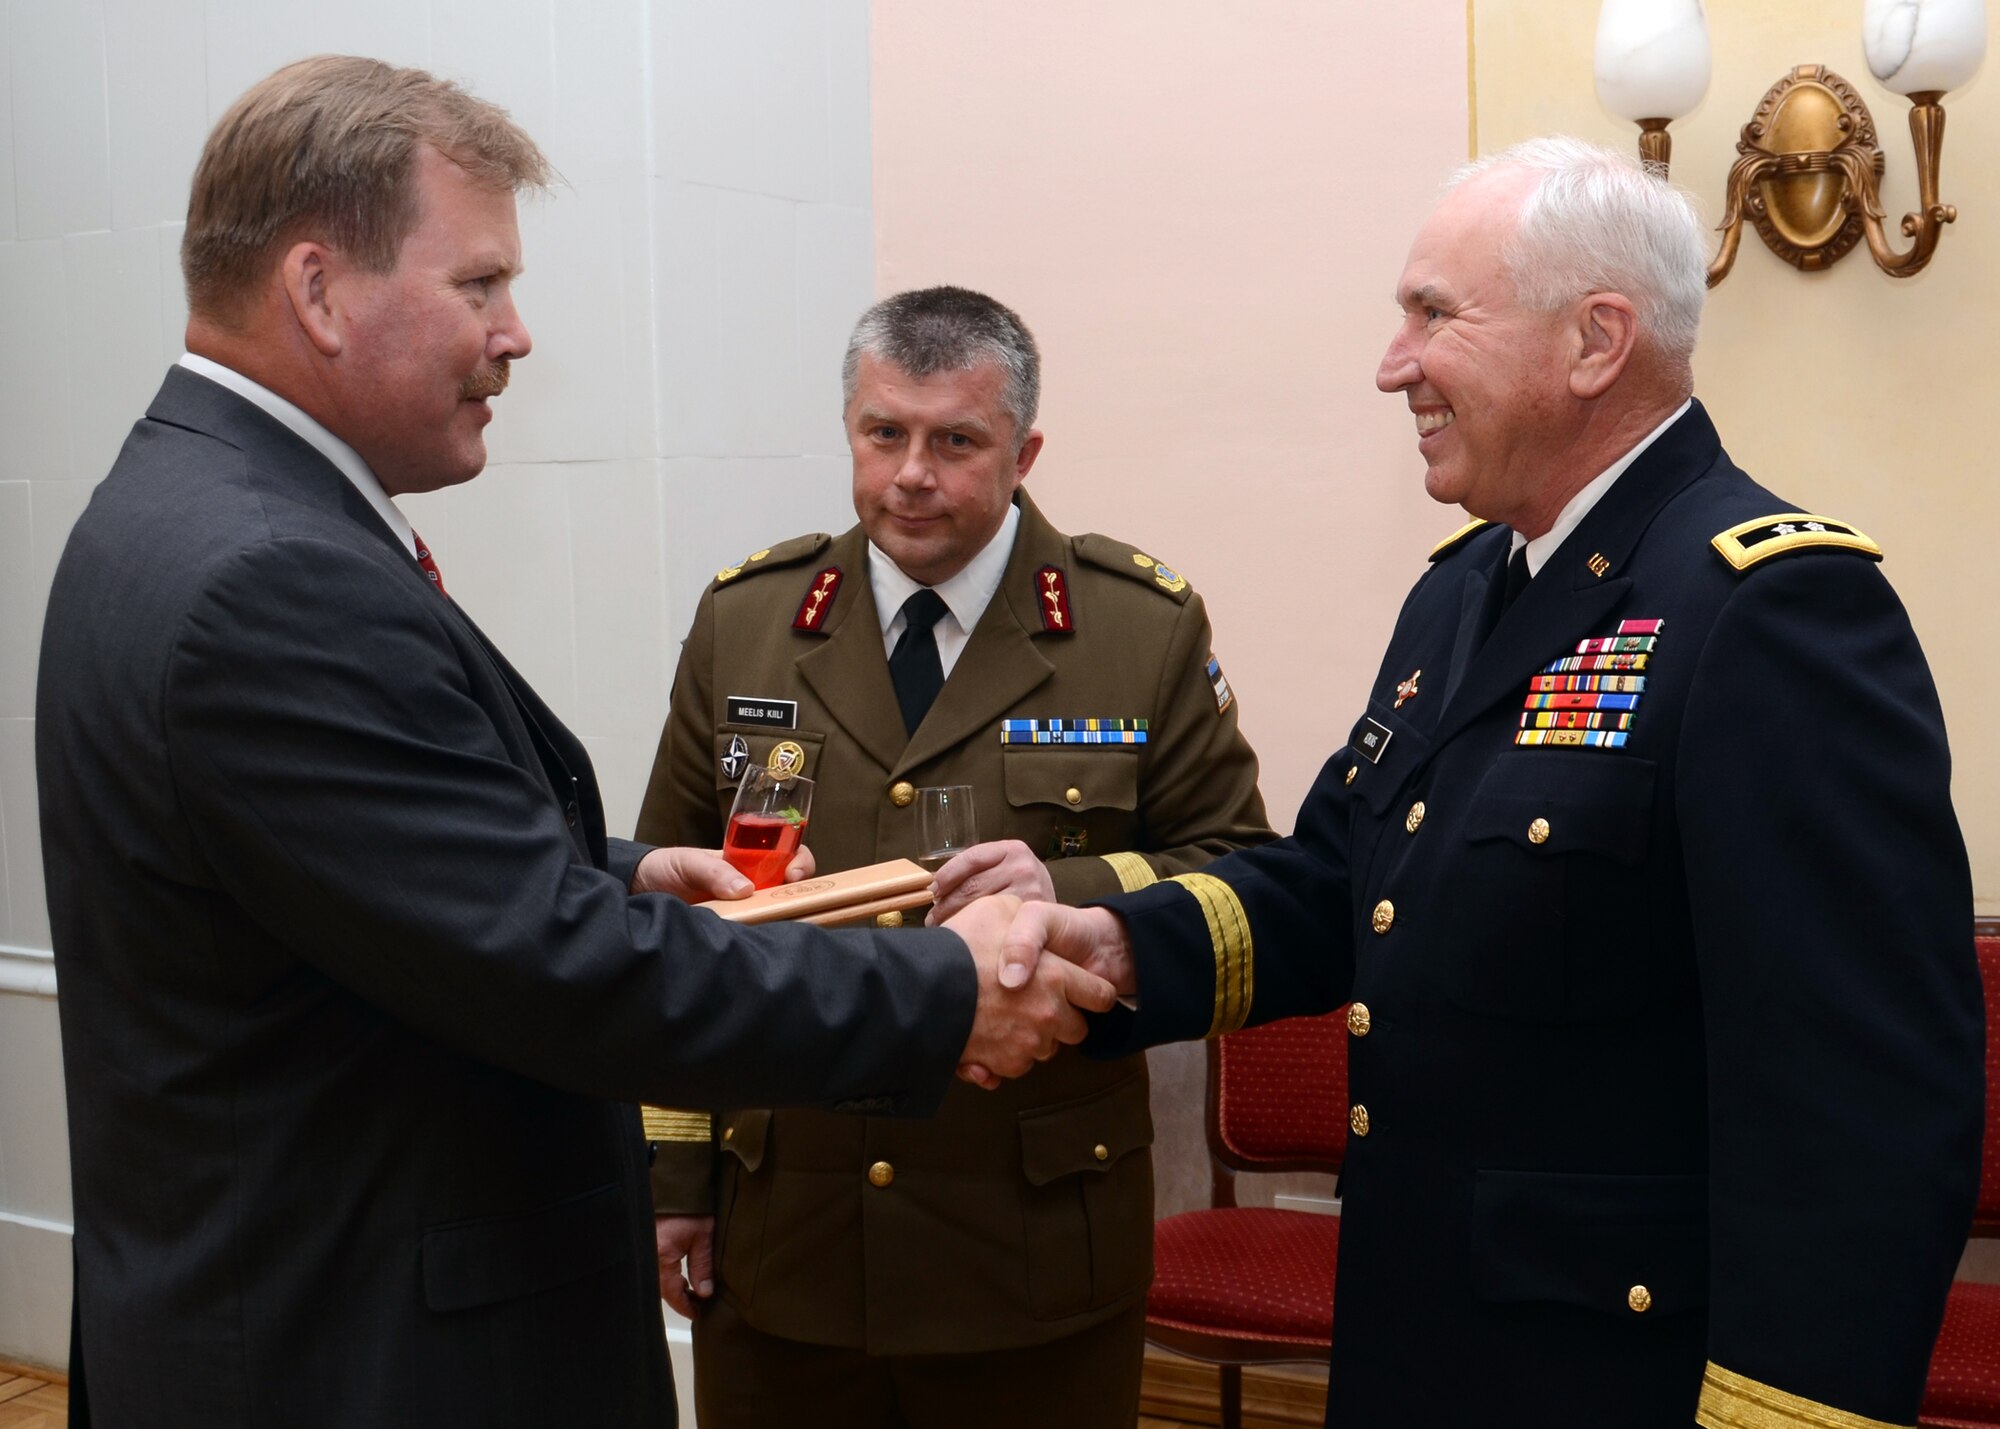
[{"x": 1041, "y": 967}]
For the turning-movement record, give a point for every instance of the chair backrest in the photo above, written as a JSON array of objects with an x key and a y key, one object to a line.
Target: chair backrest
[
  {"x": 1277, "y": 1096},
  {"x": 1986, "y": 1215}
]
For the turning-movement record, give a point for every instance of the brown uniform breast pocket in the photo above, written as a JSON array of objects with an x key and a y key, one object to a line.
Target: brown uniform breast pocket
[
  {"x": 1089, "y": 1200},
  {"x": 1065, "y": 802},
  {"x": 737, "y": 746}
]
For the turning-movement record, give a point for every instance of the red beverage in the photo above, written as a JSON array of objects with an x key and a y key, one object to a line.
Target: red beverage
[{"x": 760, "y": 846}]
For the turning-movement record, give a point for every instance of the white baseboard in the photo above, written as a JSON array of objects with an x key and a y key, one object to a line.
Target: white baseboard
[{"x": 28, "y": 971}]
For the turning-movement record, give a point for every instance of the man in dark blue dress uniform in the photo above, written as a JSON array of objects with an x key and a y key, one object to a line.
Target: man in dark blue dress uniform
[{"x": 1640, "y": 870}]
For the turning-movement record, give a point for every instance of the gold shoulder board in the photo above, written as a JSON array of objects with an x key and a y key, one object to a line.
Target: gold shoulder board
[
  {"x": 772, "y": 557},
  {"x": 1743, "y": 546},
  {"x": 1113, "y": 555},
  {"x": 1451, "y": 542}
]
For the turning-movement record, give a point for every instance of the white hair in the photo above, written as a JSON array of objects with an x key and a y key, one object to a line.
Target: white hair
[{"x": 1595, "y": 222}]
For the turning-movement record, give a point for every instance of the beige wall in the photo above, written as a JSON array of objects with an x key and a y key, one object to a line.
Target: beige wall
[
  {"x": 1847, "y": 391},
  {"x": 1201, "y": 211}
]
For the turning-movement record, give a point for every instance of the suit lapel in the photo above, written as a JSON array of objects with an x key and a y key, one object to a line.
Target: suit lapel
[
  {"x": 846, "y": 667},
  {"x": 1583, "y": 583}
]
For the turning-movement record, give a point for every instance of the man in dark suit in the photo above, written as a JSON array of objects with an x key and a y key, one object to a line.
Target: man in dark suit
[
  {"x": 355, "y": 990},
  {"x": 1641, "y": 871},
  {"x": 987, "y": 1266}
]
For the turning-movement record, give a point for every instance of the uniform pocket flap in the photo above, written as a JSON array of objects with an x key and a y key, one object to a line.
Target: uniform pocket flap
[
  {"x": 743, "y": 1136},
  {"x": 1096, "y": 777},
  {"x": 1384, "y": 751},
  {"x": 1566, "y": 801},
  {"x": 1626, "y": 1245},
  {"x": 738, "y": 746},
  {"x": 1090, "y": 1134},
  {"x": 483, "y": 1262}
]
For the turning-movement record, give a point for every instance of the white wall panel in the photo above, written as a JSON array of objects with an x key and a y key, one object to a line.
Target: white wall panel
[
  {"x": 62, "y": 157},
  {"x": 34, "y": 362},
  {"x": 111, "y": 287},
  {"x": 158, "y": 118}
]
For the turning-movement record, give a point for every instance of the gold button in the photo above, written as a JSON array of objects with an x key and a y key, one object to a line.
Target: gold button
[
  {"x": 1385, "y": 916},
  {"x": 1352, "y": 770},
  {"x": 728, "y": 1133},
  {"x": 1538, "y": 831},
  {"x": 1074, "y": 795},
  {"x": 881, "y": 1174},
  {"x": 1357, "y": 1119},
  {"x": 1358, "y": 1020},
  {"x": 1101, "y": 1151},
  {"x": 1415, "y": 820},
  {"x": 901, "y": 793},
  {"x": 1639, "y": 1298},
  {"x": 892, "y": 919}
]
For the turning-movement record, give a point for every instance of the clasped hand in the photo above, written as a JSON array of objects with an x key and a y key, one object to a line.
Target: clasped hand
[{"x": 1030, "y": 1004}]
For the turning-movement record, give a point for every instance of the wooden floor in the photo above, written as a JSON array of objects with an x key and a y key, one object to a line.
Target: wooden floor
[
  {"x": 39, "y": 1399},
  {"x": 28, "y": 1402}
]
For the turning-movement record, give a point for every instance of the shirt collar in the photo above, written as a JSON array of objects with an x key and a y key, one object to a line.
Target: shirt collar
[
  {"x": 343, "y": 456},
  {"x": 966, "y": 594},
  {"x": 1571, "y": 516}
]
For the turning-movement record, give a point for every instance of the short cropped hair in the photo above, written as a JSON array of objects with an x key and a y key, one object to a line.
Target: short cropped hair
[
  {"x": 947, "y": 329},
  {"x": 1597, "y": 221},
  {"x": 330, "y": 145}
]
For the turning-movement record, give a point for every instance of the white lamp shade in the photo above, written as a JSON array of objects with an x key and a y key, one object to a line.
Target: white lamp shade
[
  {"x": 1652, "y": 57},
  {"x": 1915, "y": 46}
]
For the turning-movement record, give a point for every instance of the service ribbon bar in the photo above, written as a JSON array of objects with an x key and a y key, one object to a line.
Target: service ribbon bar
[
  {"x": 1604, "y": 738},
  {"x": 1581, "y": 701},
  {"x": 1610, "y": 684},
  {"x": 1618, "y": 644},
  {"x": 1073, "y": 731},
  {"x": 1576, "y": 719},
  {"x": 1596, "y": 662},
  {"x": 1565, "y": 708}
]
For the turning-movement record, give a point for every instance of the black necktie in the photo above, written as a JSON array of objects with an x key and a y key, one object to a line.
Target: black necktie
[
  {"x": 915, "y": 669},
  {"x": 1517, "y": 579}
]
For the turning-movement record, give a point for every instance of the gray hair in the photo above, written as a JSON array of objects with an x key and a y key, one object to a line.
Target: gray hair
[
  {"x": 1597, "y": 221},
  {"x": 931, "y": 330}
]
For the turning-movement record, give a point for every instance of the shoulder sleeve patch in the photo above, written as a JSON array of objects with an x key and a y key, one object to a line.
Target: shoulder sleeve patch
[
  {"x": 1456, "y": 538},
  {"x": 1744, "y": 546},
  {"x": 1112, "y": 555},
  {"x": 786, "y": 553}
]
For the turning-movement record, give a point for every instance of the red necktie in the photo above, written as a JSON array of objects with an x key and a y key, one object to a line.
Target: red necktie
[{"x": 430, "y": 566}]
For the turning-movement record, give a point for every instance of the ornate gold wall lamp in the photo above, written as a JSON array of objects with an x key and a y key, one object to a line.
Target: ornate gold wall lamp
[{"x": 1808, "y": 169}]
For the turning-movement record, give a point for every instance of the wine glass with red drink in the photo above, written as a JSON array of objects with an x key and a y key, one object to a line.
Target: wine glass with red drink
[{"x": 767, "y": 824}]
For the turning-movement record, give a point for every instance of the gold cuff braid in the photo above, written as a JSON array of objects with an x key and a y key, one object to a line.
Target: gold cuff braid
[
  {"x": 665, "y": 1125},
  {"x": 1229, "y": 932},
  {"x": 1134, "y": 873},
  {"x": 1733, "y": 1401}
]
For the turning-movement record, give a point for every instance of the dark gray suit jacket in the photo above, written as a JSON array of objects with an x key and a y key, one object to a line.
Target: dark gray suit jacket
[{"x": 353, "y": 995}]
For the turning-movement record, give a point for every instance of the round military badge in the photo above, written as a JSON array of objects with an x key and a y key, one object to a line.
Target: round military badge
[{"x": 787, "y": 756}]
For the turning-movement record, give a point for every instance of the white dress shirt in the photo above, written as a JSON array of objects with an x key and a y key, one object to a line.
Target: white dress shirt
[
  {"x": 966, "y": 595},
  {"x": 1571, "y": 516},
  {"x": 314, "y": 435}
]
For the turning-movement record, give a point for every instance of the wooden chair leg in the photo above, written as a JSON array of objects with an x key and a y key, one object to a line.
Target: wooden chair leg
[{"x": 1232, "y": 1396}]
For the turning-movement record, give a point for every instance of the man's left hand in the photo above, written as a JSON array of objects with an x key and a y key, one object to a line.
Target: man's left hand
[
  {"x": 696, "y": 875},
  {"x": 1003, "y": 866}
]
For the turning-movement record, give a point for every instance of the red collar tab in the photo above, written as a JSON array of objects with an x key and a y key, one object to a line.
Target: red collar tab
[
  {"x": 818, "y": 600},
  {"x": 1052, "y": 599}
]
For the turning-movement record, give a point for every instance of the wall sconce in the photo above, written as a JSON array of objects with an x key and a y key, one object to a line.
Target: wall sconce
[{"x": 1808, "y": 169}]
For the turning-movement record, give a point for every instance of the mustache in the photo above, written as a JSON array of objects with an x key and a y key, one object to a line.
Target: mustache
[{"x": 489, "y": 383}]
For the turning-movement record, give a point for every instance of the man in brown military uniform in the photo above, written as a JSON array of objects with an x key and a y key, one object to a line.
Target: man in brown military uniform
[{"x": 988, "y": 1266}]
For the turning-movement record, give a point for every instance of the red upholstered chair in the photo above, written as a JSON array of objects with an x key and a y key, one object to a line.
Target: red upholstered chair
[
  {"x": 1963, "y": 1391},
  {"x": 1241, "y": 1285}
]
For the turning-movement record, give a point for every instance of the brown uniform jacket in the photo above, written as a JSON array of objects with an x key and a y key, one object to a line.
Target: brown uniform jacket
[{"x": 1016, "y": 1216}]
